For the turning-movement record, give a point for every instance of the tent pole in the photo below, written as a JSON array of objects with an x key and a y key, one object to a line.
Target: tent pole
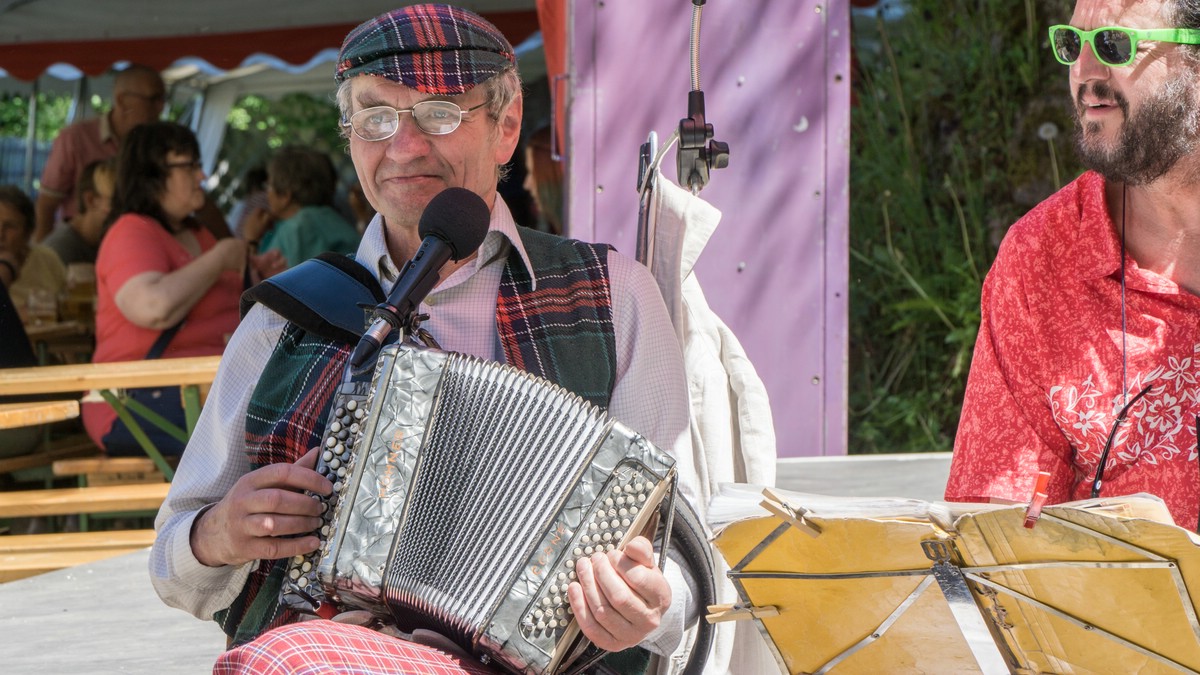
[{"x": 31, "y": 136}]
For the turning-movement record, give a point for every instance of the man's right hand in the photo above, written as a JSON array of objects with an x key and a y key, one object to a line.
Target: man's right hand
[{"x": 257, "y": 519}]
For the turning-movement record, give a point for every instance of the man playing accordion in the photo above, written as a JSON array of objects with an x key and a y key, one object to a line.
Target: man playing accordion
[{"x": 430, "y": 99}]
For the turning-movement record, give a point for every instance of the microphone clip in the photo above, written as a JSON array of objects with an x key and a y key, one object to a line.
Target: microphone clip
[{"x": 698, "y": 152}]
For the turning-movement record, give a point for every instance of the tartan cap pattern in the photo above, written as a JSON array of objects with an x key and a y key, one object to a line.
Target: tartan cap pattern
[{"x": 435, "y": 49}]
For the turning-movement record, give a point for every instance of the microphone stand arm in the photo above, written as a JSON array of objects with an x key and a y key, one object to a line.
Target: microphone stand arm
[{"x": 698, "y": 153}]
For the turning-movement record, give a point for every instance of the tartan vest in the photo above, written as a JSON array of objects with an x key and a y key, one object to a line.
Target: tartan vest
[{"x": 562, "y": 331}]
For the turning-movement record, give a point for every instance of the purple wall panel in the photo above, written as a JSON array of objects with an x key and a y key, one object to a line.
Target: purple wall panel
[{"x": 776, "y": 81}]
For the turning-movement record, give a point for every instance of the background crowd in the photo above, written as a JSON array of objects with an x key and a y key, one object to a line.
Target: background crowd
[{"x": 122, "y": 218}]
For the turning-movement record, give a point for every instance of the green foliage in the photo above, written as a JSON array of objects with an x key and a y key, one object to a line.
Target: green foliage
[
  {"x": 259, "y": 126},
  {"x": 52, "y": 111},
  {"x": 951, "y": 143}
]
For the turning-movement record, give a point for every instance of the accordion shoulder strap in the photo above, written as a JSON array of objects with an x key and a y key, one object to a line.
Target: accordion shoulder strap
[{"x": 321, "y": 295}]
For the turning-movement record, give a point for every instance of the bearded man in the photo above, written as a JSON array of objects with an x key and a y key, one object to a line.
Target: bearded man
[{"x": 1086, "y": 364}]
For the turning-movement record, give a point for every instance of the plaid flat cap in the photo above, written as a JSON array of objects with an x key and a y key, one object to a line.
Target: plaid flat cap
[{"x": 435, "y": 49}]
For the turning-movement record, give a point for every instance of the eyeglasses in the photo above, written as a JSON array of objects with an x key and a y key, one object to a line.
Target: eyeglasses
[
  {"x": 1099, "y": 479},
  {"x": 1114, "y": 46},
  {"x": 190, "y": 165},
  {"x": 434, "y": 117}
]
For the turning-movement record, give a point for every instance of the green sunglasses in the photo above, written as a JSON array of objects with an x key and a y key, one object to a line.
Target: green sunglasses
[{"x": 1113, "y": 45}]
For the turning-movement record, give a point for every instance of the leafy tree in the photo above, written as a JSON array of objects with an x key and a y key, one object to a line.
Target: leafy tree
[
  {"x": 52, "y": 111},
  {"x": 258, "y": 126}
]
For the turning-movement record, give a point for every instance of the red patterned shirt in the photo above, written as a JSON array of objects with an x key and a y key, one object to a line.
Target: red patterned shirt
[{"x": 1046, "y": 383}]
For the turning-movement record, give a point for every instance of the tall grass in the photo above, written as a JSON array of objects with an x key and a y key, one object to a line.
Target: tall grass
[{"x": 961, "y": 123}]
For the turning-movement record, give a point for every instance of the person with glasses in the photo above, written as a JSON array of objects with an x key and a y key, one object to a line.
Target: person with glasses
[
  {"x": 138, "y": 97},
  {"x": 430, "y": 99},
  {"x": 1087, "y": 362},
  {"x": 165, "y": 286}
]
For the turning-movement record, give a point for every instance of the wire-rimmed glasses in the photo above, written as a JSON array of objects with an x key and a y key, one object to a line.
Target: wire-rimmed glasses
[{"x": 434, "y": 117}]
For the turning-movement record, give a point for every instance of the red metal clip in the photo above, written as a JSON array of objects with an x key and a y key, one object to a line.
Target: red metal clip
[
  {"x": 1039, "y": 499},
  {"x": 325, "y": 610}
]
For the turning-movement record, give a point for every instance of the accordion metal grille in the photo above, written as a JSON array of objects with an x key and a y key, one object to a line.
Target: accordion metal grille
[{"x": 501, "y": 451}]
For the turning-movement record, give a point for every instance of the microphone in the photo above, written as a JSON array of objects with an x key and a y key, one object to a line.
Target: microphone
[{"x": 451, "y": 227}]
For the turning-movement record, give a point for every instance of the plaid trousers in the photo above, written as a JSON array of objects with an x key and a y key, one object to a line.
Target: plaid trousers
[{"x": 320, "y": 647}]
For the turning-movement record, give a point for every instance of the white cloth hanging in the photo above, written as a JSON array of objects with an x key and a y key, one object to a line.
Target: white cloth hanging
[{"x": 733, "y": 437}]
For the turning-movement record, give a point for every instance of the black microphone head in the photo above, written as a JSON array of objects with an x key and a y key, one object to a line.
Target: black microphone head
[{"x": 458, "y": 217}]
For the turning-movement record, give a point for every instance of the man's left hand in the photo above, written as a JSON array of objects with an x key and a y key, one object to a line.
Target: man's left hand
[{"x": 619, "y": 597}]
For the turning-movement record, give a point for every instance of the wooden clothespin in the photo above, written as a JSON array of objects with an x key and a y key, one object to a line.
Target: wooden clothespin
[
  {"x": 792, "y": 515},
  {"x": 1040, "y": 495},
  {"x": 739, "y": 612}
]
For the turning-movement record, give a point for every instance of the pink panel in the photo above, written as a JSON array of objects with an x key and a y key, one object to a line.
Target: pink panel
[{"x": 776, "y": 81}]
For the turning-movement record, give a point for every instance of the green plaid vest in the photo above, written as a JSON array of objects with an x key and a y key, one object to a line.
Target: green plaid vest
[{"x": 562, "y": 331}]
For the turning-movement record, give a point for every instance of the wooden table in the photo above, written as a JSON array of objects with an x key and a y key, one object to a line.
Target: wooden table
[
  {"x": 112, "y": 379},
  {"x": 55, "y": 330},
  {"x": 195, "y": 370},
  {"x": 66, "y": 341},
  {"x": 13, "y": 415}
]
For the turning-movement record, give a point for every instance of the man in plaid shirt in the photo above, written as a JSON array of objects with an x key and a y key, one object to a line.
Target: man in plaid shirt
[{"x": 430, "y": 99}]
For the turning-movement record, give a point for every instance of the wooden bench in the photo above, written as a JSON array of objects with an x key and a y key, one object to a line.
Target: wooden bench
[
  {"x": 26, "y": 555},
  {"x": 110, "y": 381},
  {"x": 73, "y": 446},
  {"x": 96, "y": 471},
  {"x": 65, "y": 501},
  {"x": 13, "y": 415}
]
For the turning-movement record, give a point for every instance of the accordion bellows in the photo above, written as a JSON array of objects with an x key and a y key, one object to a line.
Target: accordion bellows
[{"x": 464, "y": 492}]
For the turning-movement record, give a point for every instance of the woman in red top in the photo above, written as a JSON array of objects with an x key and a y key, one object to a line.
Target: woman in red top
[{"x": 158, "y": 270}]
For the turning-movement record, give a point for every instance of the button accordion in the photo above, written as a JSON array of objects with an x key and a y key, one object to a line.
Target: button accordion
[{"x": 464, "y": 493}]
